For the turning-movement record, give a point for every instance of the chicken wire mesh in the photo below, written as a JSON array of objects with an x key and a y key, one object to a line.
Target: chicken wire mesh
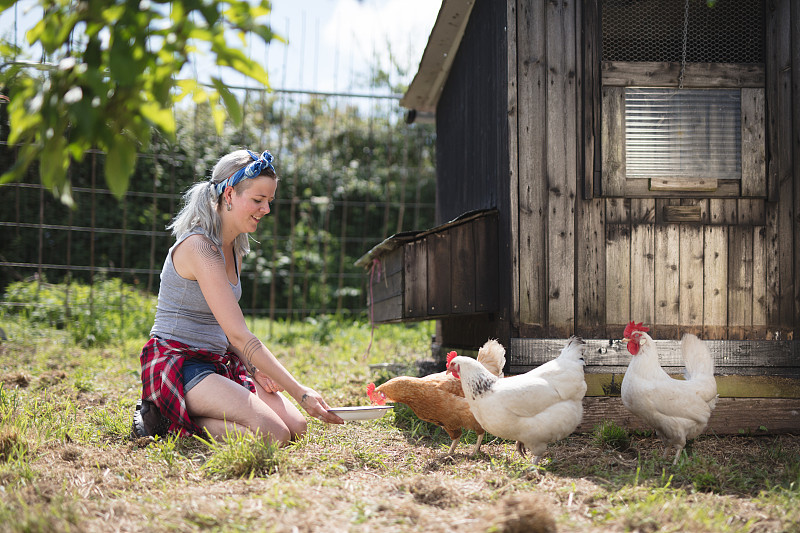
[
  {"x": 352, "y": 173},
  {"x": 717, "y": 31}
]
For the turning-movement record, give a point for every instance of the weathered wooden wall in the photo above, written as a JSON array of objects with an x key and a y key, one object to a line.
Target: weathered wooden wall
[
  {"x": 472, "y": 154},
  {"x": 544, "y": 167},
  {"x": 448, "y": 271},
  {"x": 471, "y": 143},
  {"x": 724, "y": 268}
]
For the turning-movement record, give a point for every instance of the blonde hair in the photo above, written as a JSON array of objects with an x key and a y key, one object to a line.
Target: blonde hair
[{"x": 201, "y": 202}]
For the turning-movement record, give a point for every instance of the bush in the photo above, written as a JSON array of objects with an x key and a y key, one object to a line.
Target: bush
[{"x": 109, "y": 311}]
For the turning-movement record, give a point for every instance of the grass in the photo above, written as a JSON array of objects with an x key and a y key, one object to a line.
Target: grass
[{"x": 67, "y": 464}]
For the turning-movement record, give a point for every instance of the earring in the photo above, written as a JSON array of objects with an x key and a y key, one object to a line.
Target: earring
[{"x": 229, "y": 207}]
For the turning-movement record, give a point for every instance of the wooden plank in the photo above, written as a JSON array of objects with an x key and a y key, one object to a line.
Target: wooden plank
[
  {"x": 462, "y": 269},
  {"x": 754, "y": 158},
  {"x": 588, "y": 17},
  {"x": 684, "y": 185},
  {"x": 661, "y": 205},
  {"x": 715, "y": 276},
  {"x": 751, "y": 211},
  {"x": 438, "y": 259},
  {"x": 533, "y": 229},
  {"x": 772, "y": 273},
  {"x": 702, "y": 203},
  {"x": 391, "y": 262},
  {"x": 667, "y": 280},
  {"x": 591, "y": 267},
  {"x": 691, "y": 279},
  {"x": 759, "y": 327},
  {"x": 795, "y": 38},
  {"x": 642, "y": 273},
  {"x": 643, "y": 210},
  {"x": 732, "y": 416},
  {"x": 612, "y": 139},
  {"x": 415, "y": 299},
  {"x": 730, "y": 357},
  {"x": 386, "y": 287},
  {"x": 780, "y": 172},
  {"x": 618, "y": 210},
  {"x": 388, "y": 310},
  {"x": 723, "y": 212},
  {"x": 618, "y": 275},
  {"x": 728, "y": 386},
  {"x": 640, "y": 188},
  {"x": 513, "y": 162},
  {"x": 486, "y": 264},
  {"x": 777, "y": 372},
  {"x": 561, "y": 152},
  {"x": 696, "y": 75},
  {"x": 682, "y": 213},
  {"x": 740, "y": 281}
]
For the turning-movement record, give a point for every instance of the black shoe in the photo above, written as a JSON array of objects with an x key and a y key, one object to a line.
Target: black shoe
[{"x": 147, "y": 420}]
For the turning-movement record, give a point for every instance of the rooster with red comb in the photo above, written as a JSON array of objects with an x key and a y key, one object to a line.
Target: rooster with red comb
[
  {"x": 677, "y": 409},
  {"x": 438, "y": 398}
]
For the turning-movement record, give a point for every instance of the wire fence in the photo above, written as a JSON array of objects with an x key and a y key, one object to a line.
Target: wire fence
[{"x": 352, "y": 173}]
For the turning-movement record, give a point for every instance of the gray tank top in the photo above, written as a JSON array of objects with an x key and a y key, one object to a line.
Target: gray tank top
[{"x": 182, "y": 313}]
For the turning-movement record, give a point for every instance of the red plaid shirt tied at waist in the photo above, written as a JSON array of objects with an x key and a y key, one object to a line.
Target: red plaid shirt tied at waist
[{"x": 162, "y": 378}]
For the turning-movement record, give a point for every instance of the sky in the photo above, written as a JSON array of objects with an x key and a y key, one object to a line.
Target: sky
[{"x": 331, "y": 44}]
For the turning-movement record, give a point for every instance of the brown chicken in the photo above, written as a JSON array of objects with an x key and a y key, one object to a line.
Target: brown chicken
[{"x": 439, "y": 398}]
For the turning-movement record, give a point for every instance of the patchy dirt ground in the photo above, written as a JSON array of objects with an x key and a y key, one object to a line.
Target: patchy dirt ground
[
  {"x": 67, "y": 464},
  {"x": 372, "y": 476}
]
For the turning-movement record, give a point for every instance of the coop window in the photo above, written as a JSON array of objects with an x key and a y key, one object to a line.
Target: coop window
[
  {"x": 683, "y": 98},
  {"x": 689, "y": 134}
]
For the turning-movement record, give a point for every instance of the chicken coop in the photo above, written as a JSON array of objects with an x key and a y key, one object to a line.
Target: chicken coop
[{"x": 601, "y": 161}]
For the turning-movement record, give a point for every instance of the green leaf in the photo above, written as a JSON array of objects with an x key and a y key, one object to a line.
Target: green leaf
[
  {"x": 121, "y": 62},
  {"x": 231, "y": 103},
  {"x": 218, "y": 114},
  {"x": 54, "y": 162},
  {"x": 120, "y": 164},
  {"x": 161, "y": 117},
  {"x": 25, "y": 157}
]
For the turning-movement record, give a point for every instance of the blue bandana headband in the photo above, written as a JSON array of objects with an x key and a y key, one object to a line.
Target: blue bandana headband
[{"x": 250, "y": 171}]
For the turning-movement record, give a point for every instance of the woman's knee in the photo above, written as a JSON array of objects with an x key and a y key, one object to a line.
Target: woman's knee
[
  {"x": 298, "y": 427},
  {"x": 279, "y": 434},
  {"x": 293, "y": 428}
]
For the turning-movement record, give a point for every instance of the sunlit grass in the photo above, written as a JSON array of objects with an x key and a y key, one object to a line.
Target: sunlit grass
[{"x": 66, "y": 457}]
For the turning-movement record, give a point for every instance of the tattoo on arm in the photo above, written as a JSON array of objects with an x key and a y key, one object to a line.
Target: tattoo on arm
[
  {"x": 209, "y": 254},
  {"x": 249, "y": 351}
]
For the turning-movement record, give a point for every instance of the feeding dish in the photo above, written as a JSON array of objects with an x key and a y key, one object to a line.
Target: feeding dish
[{"x": 369, "y": 412}]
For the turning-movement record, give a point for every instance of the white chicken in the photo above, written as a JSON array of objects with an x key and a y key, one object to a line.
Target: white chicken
[
  {"x": 676, "y": 409},
  {"x": 535, "y": 408}
]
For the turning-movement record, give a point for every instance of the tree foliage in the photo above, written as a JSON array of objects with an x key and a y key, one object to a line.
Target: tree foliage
[
  {"x": 112, "y": 80},
  {"x": 351, "y": 174}
]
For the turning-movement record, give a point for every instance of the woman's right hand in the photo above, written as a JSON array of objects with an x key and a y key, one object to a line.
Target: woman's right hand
[{"x": 312, "y": 402}]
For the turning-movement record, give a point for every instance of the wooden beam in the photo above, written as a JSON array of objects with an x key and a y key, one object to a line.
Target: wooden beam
[
  {"x": 682, "y": 213},
  {"x": 696, "y": 75},
  {"x": 732, "y": 416},
  {"x": 729, "y": 386},
  {"x": 525, "y": 354},
  {"x": 682, "y": 184}
]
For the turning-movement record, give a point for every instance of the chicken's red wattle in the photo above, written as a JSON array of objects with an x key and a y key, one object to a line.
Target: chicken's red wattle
[
  {"x": 633, "y": 346},
  {"x": 375, "y": 397}
]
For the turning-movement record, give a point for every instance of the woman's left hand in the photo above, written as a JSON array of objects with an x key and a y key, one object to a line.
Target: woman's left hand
[
  {"x": 312, "y": 402},
  {"x": 266, "y": 382}
]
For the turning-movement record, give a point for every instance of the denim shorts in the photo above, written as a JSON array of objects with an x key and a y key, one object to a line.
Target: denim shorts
[{"x": 194, "y": 371}]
